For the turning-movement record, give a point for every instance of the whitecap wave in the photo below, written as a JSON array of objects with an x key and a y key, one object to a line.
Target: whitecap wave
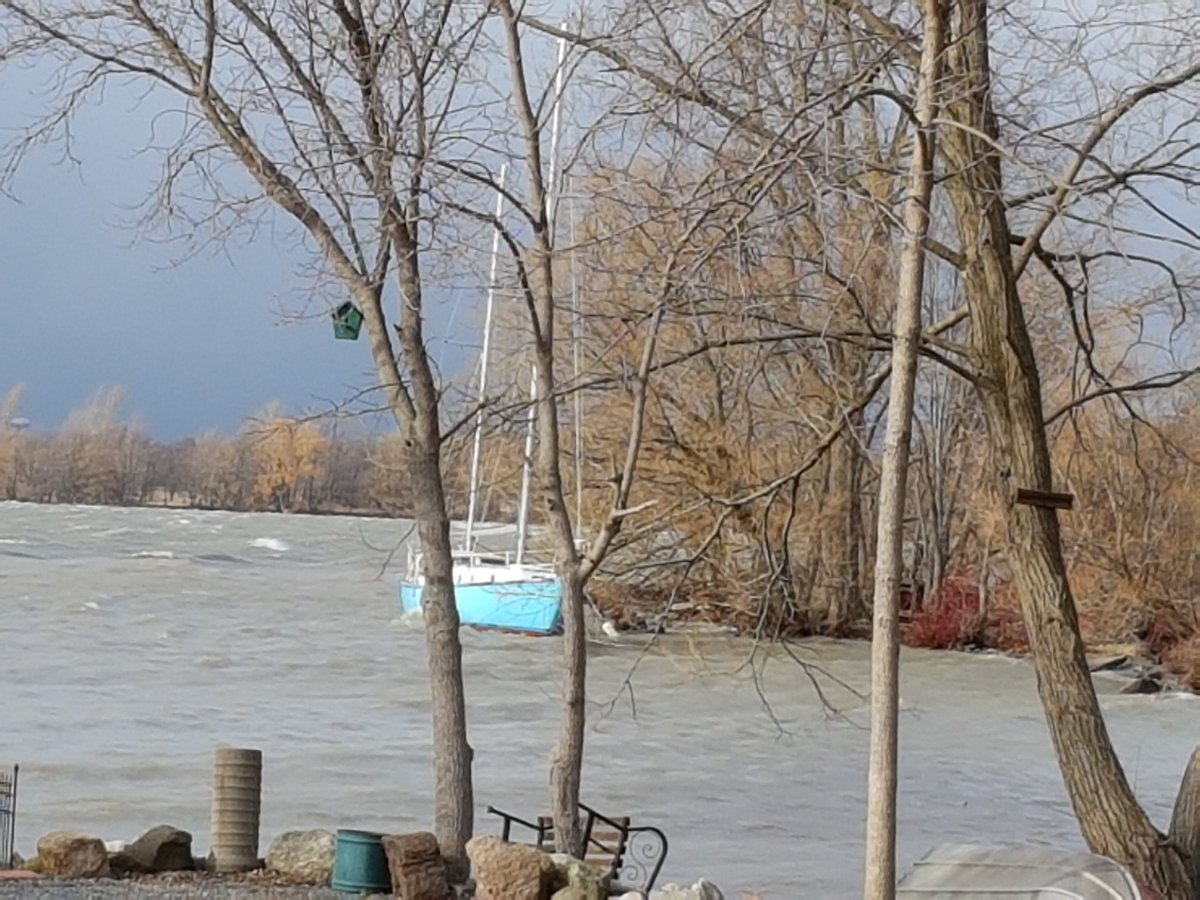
[
  {"x": 270, "y": 543},
  {"x": 12, "y": 541},
  {"x": 153, "y": 554},
  {"x": 91, "y": 605},
  {"x": 1186, "y": 696}
]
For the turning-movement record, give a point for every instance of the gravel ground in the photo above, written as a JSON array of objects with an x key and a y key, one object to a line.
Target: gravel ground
[
  {"x": 117, "y": 890},
  {"x": 120, "y": 890},
  {"x": 161, "y": 889}
]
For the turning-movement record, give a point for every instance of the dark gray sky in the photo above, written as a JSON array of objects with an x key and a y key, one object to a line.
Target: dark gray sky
[{"x": 88, "y": 302}]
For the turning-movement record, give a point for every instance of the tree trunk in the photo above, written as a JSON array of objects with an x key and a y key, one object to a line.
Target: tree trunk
[
  {"x": 1185, "y": 821},
  {"x": 880, "y": 876},
  {"x": 1112, "y": 822},
  {"x": 566, "y": 762},
  {"x": 840, "y": 573},
  {"x": 454, "y": 802}
]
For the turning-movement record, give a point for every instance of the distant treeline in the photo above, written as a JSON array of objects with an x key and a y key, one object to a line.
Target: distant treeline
[{"x": 275, "y": 463}]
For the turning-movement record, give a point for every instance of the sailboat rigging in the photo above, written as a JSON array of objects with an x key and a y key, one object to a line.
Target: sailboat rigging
[{"x": 496, "y": 590}]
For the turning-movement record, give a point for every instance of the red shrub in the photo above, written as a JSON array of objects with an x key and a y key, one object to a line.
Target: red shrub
[{"x": 950, "y": 620}]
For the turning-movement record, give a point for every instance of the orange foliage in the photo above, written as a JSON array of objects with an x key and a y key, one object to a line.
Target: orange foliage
[
  {"x": 1130, "y": 541},
  {"x": 290, "y": 454}
]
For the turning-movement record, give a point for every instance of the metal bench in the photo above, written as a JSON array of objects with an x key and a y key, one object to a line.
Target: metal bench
[
  {"x": 633, "y": 856},
  {"x": 8, "y": 816}
]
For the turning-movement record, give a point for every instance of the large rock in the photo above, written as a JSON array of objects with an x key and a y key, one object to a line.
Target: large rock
[
  {"x": 509, "y": 871},
  {"x": 418, "y": 870},
  {"x": 120, "y": 863},
  {"x": 1146, "y": 683},
  {"x": 701, "y": 890},
  {"x": 72, "y": 854},
  {"x": 163, "y": 848},
  {"x": 305, "y": 856},
  {"x": 1108, "y": 663},
  {"x": 577, "y": 880}
]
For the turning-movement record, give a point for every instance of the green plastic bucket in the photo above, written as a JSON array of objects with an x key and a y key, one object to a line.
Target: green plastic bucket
[{"x": 359, "y": 864}]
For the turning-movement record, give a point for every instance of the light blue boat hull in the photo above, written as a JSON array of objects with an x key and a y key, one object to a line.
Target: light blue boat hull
[{"x": 528, "y": 607}]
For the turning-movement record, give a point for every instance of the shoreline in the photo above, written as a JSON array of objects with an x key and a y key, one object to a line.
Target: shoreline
[{"x": 1121, "y": 664}]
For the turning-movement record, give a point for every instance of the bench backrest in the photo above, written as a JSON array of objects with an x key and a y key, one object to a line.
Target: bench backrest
[
  {"x": 604, "y": 839},
  {"x": 633, "y": 856}
]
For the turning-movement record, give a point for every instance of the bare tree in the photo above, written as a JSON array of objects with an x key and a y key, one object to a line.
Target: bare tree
[
  {"x": 336, "y": 114},
  {"x": 885, "y": 638},
  {"x": 1111, "y": 819},
  {"x": 700, "y": 224},
  {"x": 535, "y": 263}
]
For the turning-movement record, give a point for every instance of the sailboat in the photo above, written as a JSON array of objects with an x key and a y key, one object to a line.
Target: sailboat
[
  {"x": 493, "y": 592},
  {"x": 499, "y": 591}
]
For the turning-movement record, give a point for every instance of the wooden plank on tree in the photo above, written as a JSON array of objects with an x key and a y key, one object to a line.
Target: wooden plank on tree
[{"x": 1045, "y": 499}]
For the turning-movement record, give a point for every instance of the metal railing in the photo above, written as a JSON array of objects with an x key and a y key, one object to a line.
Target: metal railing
[
  {"x": 414, "y": 567},
  {"x": 8, "y": 816}
]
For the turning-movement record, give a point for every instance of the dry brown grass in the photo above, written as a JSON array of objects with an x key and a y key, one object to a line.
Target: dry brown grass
[{"x": 1183, "y": 660}]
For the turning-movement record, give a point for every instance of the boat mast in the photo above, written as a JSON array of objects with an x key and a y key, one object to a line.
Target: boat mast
[
  {"x": 523, "y": 510},
  {"x": 483, "y": 362},
  {"x": 551, "y": 182},
  {"x": 578, "y": 399}
]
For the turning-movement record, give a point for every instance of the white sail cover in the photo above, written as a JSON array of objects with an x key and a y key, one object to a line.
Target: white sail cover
[{"x": 1016, "y": 872}]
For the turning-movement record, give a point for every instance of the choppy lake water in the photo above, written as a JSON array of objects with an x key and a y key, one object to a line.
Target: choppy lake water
[{"x": 135, "y": 641}]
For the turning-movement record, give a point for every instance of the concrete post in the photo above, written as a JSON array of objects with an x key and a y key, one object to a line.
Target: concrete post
[{"x": 236, "y": 806}]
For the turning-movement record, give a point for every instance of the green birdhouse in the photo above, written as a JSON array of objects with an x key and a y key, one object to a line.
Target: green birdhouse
[{"x": 347, "y": 322}]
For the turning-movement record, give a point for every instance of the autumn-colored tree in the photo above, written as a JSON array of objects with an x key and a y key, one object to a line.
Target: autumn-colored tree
[
  {"x": 98, "y": 456},
  {"x": 755, "y": 417},
  {"x": 13, "y": 443},
  {"x": 289, "y": 454},
  {"x": 214, "y": 474}
]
